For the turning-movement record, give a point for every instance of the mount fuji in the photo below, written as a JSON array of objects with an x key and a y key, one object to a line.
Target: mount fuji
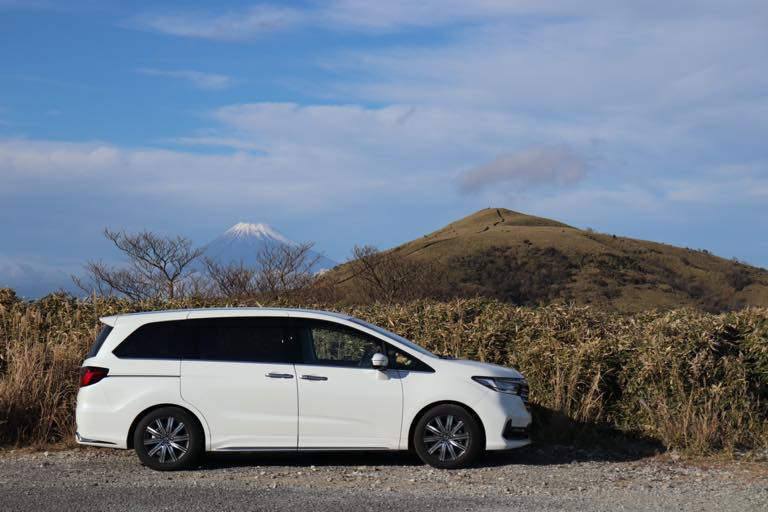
[{"x": 244, "y": 240}]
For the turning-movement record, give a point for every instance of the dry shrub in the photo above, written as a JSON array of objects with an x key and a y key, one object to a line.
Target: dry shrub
[
  {"x": 693, "y": 383},
  {"x": 40, "y": 350},
  {"x": 691, "y": 380}
]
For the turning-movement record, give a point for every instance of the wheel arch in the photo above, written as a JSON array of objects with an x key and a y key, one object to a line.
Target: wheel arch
[
  {"x": 200, "y": 422},
  {"x": 426, "y": 408}
]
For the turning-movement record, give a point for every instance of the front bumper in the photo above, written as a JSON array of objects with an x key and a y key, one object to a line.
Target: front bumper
[
  {"x": 506, "y": 419},
  {"x": 513, "y": 433}
]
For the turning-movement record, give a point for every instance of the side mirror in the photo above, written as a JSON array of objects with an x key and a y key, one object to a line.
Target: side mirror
[{"x": 380, "y": 361}]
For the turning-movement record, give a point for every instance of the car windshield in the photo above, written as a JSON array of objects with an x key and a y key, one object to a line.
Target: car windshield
[{"x": 408, "y": 343}]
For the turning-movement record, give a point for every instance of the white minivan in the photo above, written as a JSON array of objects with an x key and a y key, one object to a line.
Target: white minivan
[{"x": 174, "y": 384}]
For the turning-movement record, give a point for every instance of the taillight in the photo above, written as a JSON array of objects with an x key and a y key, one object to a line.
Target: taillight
[{"x": 91, "y": 375}]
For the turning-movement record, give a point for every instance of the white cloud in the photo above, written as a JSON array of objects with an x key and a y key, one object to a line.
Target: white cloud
[
  {"x": 213, "y": 141},
  {"x": 454, "y": 136},
  {"x": 394, "y": 15},
  {"x": 24, "y": 158},
  {"x": 551, "y": 166},
  {"x": 353, "y": 15},
  {"x": 595, "y": 66},
  {"x": 648, "y": 80},
  {"x": 663, "y": 94},
  {"x": 211, "y": 81},
  {"x": 227, "y": 26},
  {"x": 288, "y": 171},
  {"x": 739, "y": 182},
  {"x": 282, "y": 149},
  {"x": 287, "y": 157},
  {"x": 397, "y": 15},
  {"x": 255, "y": 21}
]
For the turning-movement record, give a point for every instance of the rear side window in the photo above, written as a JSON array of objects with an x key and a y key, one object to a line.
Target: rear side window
[
  {"x": 100, "y": 339},
  {"x": 159, "y": 340},
  {"x": 254, "y": 340}
]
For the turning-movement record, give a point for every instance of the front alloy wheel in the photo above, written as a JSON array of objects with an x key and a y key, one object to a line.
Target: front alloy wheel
[
  {"x": 448, "y": 437},
  {"x": 168, "y": 439}
]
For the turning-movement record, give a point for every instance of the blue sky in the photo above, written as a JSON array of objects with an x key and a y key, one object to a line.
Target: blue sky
[{"x": 347, "y": 122}]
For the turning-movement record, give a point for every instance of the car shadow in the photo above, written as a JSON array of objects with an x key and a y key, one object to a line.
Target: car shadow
[
  {"x": 218, "y": 460},
  {"x": 537, "y": 454},
  {"x": 560, "y": 439}
]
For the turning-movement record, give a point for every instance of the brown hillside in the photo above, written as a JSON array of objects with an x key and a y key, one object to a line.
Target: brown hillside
[{"x": 524, "y": 259}]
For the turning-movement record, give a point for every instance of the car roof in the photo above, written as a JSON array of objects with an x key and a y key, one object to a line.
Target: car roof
[{"x": 183, "y": 314}]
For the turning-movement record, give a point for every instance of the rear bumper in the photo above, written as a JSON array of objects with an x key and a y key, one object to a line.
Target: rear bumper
[
  {"x": 91, "y": 442},
  {"x": 106, "y": 410},
  {"x": 98, "y": 424}
]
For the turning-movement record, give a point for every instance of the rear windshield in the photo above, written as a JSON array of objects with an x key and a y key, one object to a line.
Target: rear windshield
[{"x": 105, "y": 330}]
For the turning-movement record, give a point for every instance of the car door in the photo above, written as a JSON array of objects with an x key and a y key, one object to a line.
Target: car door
[
  {"x": 343, "y": 401},
  {"x": 240, "y": 376}
]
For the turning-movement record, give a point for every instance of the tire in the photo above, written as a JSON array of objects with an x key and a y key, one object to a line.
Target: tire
[
  {"x": 448, "y": 437},
  {"x": 168, "y": 449}
]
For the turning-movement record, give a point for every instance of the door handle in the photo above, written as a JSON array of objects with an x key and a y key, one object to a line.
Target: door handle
[
  {"x": 314, "y": 377},
  {"x": 273, "y": 375}
]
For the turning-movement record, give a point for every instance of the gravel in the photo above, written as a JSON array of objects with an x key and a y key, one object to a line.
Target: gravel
[{"x": 535, "y": 479}]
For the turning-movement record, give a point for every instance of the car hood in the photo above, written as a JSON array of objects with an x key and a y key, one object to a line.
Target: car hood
[{"x": 478, "y": 369}]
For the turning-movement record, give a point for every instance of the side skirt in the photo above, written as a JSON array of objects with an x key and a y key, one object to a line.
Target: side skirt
[{"x": 292, "y": 449}]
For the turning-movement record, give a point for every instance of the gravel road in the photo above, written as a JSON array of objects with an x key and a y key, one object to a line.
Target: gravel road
[{"x": 535, "y": 479}]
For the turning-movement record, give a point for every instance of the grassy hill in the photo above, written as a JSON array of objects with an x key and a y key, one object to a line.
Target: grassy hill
[{"x": 524, "y": 259}]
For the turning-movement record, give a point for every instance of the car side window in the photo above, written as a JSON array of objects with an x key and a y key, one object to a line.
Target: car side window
[
  {"x": 100, "y": 339},
  {"x": 239, "y": 339},
  {"x": 401, "y": 360},
  {"x": 156, "y": 340},
  {"x": 330, "y": 344}
]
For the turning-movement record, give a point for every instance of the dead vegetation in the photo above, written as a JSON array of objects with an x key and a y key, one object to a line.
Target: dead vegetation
[{"x": 689, "y": 380}]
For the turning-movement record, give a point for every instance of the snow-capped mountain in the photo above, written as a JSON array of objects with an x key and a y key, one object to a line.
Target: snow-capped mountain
[{"x": 244, "y": 240}]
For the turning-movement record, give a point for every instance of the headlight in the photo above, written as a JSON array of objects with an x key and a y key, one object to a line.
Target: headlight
[{"x": 505, "y": 385}]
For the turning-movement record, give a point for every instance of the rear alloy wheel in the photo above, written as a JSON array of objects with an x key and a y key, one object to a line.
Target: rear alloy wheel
[
  {"x": 448, "y": 437},
  {"x": 168, "y": 439}
]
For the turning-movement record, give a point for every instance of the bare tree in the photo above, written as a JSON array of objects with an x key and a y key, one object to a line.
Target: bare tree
[
  {"x": 158, "y": 267},
  {"x": 285, "y": 268},
  {"x": 276, "y": 270},
  {"x": 390, "y": 276},
  {"x": 233, "y": 279}
]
